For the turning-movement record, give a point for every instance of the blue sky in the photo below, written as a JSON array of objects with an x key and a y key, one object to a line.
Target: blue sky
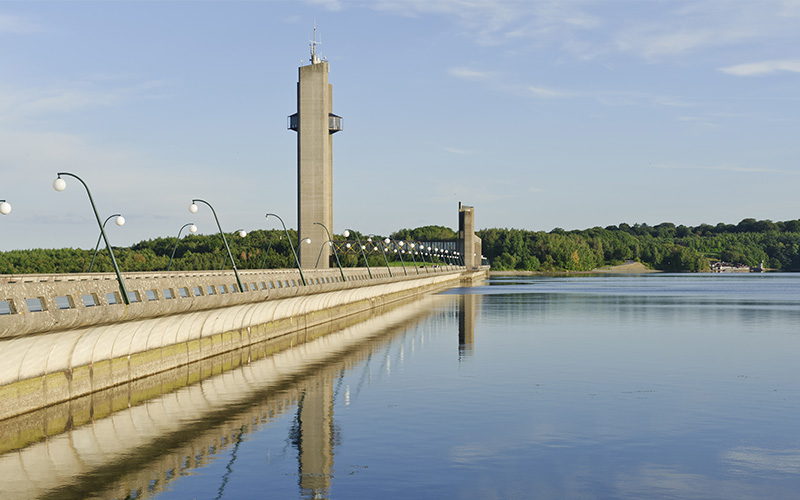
[{"x": 566, "y": 114}]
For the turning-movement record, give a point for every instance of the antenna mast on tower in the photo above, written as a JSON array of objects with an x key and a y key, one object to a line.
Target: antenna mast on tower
[{"x": 313, "y": 43}]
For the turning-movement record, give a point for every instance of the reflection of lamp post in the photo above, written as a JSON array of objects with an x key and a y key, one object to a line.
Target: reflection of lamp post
[
  {"x": 360, "y": 247},
  {"x": 59, "y": 185},
  {"x": 5, "y": 207},
  {"x": 296, "y": 260},
  {"x": 330, "y": 241},
  {"x": 120, "y": 222},
  {"x": 192, "y": 229},
  {"x": 193, "y": 209}
]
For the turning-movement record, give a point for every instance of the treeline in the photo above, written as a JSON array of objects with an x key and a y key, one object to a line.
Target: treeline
[
  {"x": 261, "y": 249},
  {"x": 664, "y": 247}
]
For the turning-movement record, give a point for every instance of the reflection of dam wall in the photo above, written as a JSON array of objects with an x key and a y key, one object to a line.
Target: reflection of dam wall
[
  {"x": 42, "y": 370},
  {"x": 142, "y": 448}
]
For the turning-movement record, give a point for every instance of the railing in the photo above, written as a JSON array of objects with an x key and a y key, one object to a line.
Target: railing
[{"x": 39, "y": 303}]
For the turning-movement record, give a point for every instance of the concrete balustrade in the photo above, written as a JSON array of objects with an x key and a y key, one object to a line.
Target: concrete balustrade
[
  {"x": 56, "y": 354},
  {"x": 45, "y": 303}
]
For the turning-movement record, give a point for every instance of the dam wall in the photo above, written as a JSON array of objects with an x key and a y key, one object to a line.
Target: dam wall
[{"x": 66, "y": 336}]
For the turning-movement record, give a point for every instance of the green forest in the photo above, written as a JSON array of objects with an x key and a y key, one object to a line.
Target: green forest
[{"x": 663, "y": 247}]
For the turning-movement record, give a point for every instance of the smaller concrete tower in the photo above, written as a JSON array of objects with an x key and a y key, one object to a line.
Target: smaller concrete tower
[{"x": 469, "y": 244}]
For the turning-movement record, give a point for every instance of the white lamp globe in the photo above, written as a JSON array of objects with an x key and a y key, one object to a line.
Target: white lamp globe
[
  {"x": 120, "y": 220},
  {"x": 193, "y": 208},
  {"x": 307, "y": 240},
  {"x": 387, "y": 240},
  {"x": 348, "y": 245},
  {"x": 192, "y": 228},
  {"x": 242, "y": 233},
  {"x": 5, "y": 208},
  {"x": 59, "y": 184},
  {"x": 346, "y": 234}
]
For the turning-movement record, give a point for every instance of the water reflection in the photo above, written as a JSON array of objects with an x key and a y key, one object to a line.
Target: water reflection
[
  {"x": 141, "y": 450},
  {"x": 469, "y": 305}
]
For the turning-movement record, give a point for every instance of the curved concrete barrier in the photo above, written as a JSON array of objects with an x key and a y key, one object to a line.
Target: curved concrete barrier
[
  {"x": 116, "y": 442},
  {"x": 44, "y": 369}
]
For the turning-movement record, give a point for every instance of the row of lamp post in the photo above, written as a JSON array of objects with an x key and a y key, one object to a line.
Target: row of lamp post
[{"x": 60, "y": 184}]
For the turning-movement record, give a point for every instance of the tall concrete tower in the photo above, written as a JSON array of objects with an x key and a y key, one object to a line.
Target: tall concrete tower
[{"x": 315, "y": 125}]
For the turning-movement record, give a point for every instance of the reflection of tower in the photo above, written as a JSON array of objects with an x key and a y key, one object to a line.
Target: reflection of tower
[
  {"x": 466, "y": 324},
  {"x": 314, "y": 436},
  {"x": 315, "y": 125}
]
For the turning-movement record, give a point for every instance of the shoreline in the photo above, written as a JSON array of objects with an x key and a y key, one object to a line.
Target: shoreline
[{"x": 628, "y": 268}]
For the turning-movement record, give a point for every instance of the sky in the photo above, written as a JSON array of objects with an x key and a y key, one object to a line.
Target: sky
[{"x": 540, "y": 114}]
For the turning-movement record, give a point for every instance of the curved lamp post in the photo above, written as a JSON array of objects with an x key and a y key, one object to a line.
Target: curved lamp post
[
  {"x": 59, "y": 185},
  {"x": 120, "y": 222},
  {"x": 385, "y": 242},
  {"x": 192, "y": 229},
  {"x": 411, "y": 251},
  {"x": 296, "y": 260},
  {"x": 193, "y": 209},
  {"x": 399, "y": 251},
  {"x": 346, "y": 234},
  {"x": 264, "y": 262},
  {"x": 5, "y": 207},
  {"x": 330, "y": 241},
  {"x": 242, "y": 233}
]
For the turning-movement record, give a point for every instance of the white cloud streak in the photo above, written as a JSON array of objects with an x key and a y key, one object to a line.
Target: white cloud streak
[
  {"x": 730, "y": 168},
  {"x": 16, "y": 25},
  {"x": 763, "y": 68}
]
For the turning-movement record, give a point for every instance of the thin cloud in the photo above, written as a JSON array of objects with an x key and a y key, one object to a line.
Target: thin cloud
[
  {"x": 17, "y": 25},
  {"x": 15, "y": 104},
  {"x": 498, "y": 82},
  {"x": 763, "y": 68},
  {"x": 546, "y": 93},
  {"x": 730, "y": 168},
  {"x": 471, "y": 74},
  {"x": 457, "y": 151}
]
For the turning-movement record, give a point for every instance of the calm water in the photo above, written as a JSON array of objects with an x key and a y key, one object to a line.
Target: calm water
[{"x": 656, "y": 386}]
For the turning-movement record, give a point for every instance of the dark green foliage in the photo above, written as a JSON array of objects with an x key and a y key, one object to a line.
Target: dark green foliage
[
  {"x": 664, "y": 246},
  {"x": 426, "y": 233}
]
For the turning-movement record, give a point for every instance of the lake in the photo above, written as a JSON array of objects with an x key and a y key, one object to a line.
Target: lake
[{"x": 679, "y": 386}]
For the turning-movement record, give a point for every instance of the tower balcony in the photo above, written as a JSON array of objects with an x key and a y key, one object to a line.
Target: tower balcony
[{"x": 335, "y": 123}]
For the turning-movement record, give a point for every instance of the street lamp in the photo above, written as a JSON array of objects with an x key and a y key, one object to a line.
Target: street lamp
[
  {"x": 361, "y": 247},
  {"x": 59, "y": 185},
  {"x": 330, "y": 242},
  {"x": 192, "y": 229},
  {"x": 411, "y": 251},
  {"x": 264, "y": 261},
  {"x": 242, "y": 233},
  {"x": 386, "y": 241},
  {"x": 193, "y": 209},
  {"x": 400, "y": 253},
  {"x": 5, "y": 207},
  {"x": 120, "y": 222},
  {"x": 296, "y": 260}
]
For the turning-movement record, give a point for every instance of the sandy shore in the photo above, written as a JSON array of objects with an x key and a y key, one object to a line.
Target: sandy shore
[{"x": 628, "y": 268}]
